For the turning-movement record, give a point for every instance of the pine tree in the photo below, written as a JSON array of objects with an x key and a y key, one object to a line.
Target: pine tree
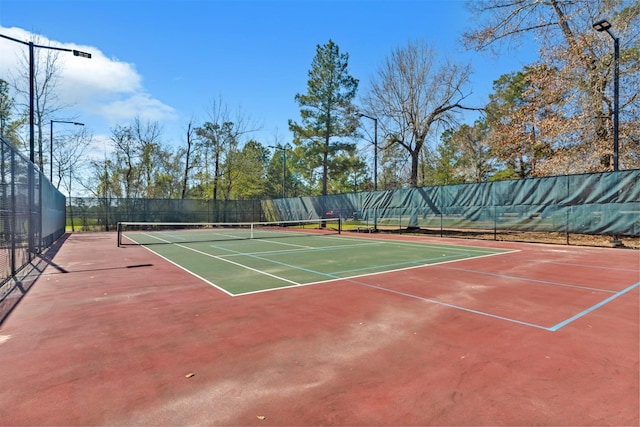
[{"x": 327, "y": 111}]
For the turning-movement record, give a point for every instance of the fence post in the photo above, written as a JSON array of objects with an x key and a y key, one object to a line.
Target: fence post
[
  {"x": 495, "y": 222},
  {"x": 567, "y": 208},
  {"x": 39, "y": 227},
  {"x": 14, "y": 214}
]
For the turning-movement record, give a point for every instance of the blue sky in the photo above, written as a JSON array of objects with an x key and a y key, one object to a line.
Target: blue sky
[{"x": 169, "y": 60}]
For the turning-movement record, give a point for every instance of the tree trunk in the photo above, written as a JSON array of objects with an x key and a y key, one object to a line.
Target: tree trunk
[
  {"x": 415, "y": 162},
  {"x": 325, "y": 166},
  {"x": 186, "y": 166}
]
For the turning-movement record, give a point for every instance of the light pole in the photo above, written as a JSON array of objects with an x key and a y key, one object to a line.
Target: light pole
[
  {"x": 604, "y": 25},
  {"x": 284, "y": 164},
  {"x": 31, "y": 184},
  {"x": 375, "y": 149},
  {"x": 51, "y": 144},
  {"x": 31, "y": 82},
  {"x": 375, "y": 162}
]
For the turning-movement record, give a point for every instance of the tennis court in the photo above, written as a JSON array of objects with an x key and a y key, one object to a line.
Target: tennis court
[
  {"x": 376, "y": 330},
  {"x": 244, "y": 258}
]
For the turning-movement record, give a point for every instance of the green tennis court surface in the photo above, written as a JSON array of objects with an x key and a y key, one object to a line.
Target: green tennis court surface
[{"x": 251, "y": 264}]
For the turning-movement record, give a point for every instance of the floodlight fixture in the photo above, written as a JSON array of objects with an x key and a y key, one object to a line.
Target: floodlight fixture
[
  {"x": 81, "y": 54},
  {"x": 602, "y": 25}
]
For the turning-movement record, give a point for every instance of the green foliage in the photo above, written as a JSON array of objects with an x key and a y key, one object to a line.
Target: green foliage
[
  {"x": 251, "y": 169},
  {"x": 507, "y": 94},
  {"x": 349, "y": 174},
  {"x": 465, "y": 155},
  {"x": 447, "y": 160},
  {"x": 504, "y": 174},
  {"x": 217, "y": 142},
  {"x": 279, "y": 171},
  {"x": 8, "y": 125},
  {"x": 394, "y": 166}
]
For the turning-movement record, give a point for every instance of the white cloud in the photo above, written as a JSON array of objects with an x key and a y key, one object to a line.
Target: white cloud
[
  {"x": 100, "y": 86},
  {"x": 97, "y": 77},
  {"x": 137, "y": 104}
]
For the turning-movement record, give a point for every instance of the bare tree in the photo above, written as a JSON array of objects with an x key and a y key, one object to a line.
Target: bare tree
[
  {"x": 219, "y": 138},
  {"x": 69, "y": 157},
  {"x": 46, "y": 75},
  {"x": 188, "y": 153},
  {"x": 583, "y": 57},
  {"x": 410, "y": 95},
  {"x": 147, "y": 142},
  {"x": 125, "y": 154},
  {"x": 9, "y": 124}
]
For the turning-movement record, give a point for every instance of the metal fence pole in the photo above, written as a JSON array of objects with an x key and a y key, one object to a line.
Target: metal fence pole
[{"x": 13, "y": 213}]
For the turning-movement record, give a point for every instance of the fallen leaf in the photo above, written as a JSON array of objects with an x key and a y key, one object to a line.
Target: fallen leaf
[{"x": 190, "y": 375}]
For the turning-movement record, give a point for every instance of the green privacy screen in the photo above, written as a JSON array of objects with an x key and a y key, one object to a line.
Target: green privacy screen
[{"x": 601, "y": 203}]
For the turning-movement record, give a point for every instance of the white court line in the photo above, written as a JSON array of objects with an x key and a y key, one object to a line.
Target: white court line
[
  {"x": 357, "y": 276},
  {"x": 239, "y": 265},
  {"x": 429, "y": 300},
  {"x": 301, "y": 250},
  {"x": 426, "y": 245},
  {"x": 225, "y": 260},
  {"x": 330, "y": 277}
]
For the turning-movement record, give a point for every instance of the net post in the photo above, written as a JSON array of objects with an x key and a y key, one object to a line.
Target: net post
[
  {"x": 339, "y": 225},
  {"x": 119, "y": 234}
]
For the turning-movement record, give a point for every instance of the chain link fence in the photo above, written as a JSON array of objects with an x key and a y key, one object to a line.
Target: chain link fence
[
  {"x": 32, "y": 217},
  {"x": 103, "y": 214}
]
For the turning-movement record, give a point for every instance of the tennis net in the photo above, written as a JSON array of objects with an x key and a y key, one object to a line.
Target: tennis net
[{"x": 150, "y": 233}]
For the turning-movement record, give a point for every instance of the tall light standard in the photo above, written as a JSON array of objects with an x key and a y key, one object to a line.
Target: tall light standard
[
  {"x": 284, "y": 164},
  {"x": 375, "y": 162},
  {"x": 375, "y": 149},
  {"x": 604, "y": 25},
  {"x": 31, "y": 82},
  {"x": 51, "y": 144},
  {"x": 31, "y": 184}
]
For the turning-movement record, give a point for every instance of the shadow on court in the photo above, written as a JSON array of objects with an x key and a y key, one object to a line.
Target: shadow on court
[{"x": 14, "y": 289}]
